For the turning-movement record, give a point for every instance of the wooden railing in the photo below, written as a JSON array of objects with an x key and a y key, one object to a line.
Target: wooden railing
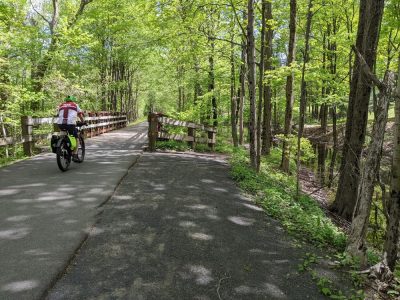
[
  {"x": 98, "y": 123},
  {"x": 157, "y": 131}
]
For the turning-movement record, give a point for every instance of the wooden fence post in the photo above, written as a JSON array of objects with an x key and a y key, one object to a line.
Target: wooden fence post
[
  {"x": 211, "y": 136},
  {"x": 27, "y": 130},
  {"x": 192, "y": 133},
  {"x": 4, "y": 132},
  {"x": 153, "y": 131}
]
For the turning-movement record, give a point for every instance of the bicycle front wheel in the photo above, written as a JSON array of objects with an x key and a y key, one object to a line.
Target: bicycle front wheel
[{"x": 63, "y": 156}]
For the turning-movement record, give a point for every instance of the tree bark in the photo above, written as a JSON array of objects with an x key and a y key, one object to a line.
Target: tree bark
[
  {"x": 251, "y": 63},
  {"x": 356, "y": 243},
  {"x": 211, "y": 84},
  {"x": 267, "y": 113},
  {"x": 242, "y": 90},
  {"x": 289, "y": 87},
  {"x": 303, "y": 97},
  {"x": 233, "y": 98},
  {"x": 261, "y": 82},
  {"x": 335, "y": 147},
  {"x": 367, "y": 38},
  {"x": 390, "y": 248}
]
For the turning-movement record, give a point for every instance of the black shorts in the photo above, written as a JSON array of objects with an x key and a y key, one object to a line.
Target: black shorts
[{"x": 70, "y": 128}]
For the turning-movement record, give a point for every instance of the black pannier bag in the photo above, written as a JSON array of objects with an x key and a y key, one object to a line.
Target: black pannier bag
[{"x": 53, "y": 143}]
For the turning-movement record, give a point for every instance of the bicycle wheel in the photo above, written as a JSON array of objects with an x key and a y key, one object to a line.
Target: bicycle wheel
[
  {"x": 81, "y": 151},
  {"x": 63, "y": 156}
]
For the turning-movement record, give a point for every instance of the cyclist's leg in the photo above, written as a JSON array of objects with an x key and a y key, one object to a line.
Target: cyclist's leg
[{"x": 72, "y": 130}]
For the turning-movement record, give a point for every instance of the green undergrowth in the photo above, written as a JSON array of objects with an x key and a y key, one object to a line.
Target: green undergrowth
[
  {"x": 276, "y": 193},
  {"x": 220, "y": 147}
]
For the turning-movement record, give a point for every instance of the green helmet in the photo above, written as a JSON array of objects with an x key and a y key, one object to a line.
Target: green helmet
[{"x": 70, "y": 98}]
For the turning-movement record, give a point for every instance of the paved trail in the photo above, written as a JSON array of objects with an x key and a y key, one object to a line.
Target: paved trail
[
  {"x": 132, "y": 225},
  {"x": 178, "y": 228},
  {"x": 45, "y": 214}
]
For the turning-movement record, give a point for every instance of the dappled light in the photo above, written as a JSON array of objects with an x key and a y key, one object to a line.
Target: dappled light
[
  {"x": 45, "y": 213},
  {"x": 251, "y": 206},
  {"x": 20, "y": 286},
  {"x": 178, "y": 228},
  {"x": 201, "y": 236},
  {"x": 14, "y": 234},
  {"x": 241, "y": 221}
]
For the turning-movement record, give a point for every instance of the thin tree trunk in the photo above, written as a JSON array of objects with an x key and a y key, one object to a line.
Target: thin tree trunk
[
  {"x": 261, "y": 83},
  {"x": 335, "y": 147},
  {"x": 303, "y": 98},
  {"x": 242, "y": 91},
  {"x": 233, "y": 97},
  {"x": 211, "y": 84},
  {"x": 356, "y": 243},
  {"x": 267, "y": 118},
  {"x": 251, "y": 62},
  {"x": 289, "y": 88},
  {"x": 392, "y": 232}
]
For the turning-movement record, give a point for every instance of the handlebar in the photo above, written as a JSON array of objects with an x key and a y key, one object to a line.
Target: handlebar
[{"x": 80, "y": 124}]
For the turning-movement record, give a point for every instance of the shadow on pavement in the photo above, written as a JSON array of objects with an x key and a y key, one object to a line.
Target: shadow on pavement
[
  {"x": 178, "y": 228},
  {"x": 45, "y": 213}
]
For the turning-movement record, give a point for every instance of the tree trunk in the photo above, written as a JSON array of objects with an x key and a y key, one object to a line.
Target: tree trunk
[
  {"x": 356, "y": 243},
  {"x": 335, "y": 147},
  {"x": 211, "y": 84},
  {"x": 303, "y": 98},
  {"x": 324, "y": 116},
  {"x": 367, "y": 37},
  {"x": 267, "y": 118},
  {"x": 251, "y": 62},
  {"x": 242, "y": 91},
  {"x": 233, "y": 97},
  {"x": 289, "y": 88},
  {"x": 261, "y": 83},
  {"x": 390, "y": 248},
  {"x": 321, "y": 161}
]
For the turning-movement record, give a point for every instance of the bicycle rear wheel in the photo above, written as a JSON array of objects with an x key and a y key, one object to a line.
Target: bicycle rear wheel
[
  {"x": 63, "y": 156},
  {"x": 81, "y": 151}
]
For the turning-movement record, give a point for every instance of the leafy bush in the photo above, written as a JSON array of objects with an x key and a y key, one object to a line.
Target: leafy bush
[
  {"x": 275, "y": 192},
  {"x": 172, "y": 145},
  {"x": 306, "y": 149}
]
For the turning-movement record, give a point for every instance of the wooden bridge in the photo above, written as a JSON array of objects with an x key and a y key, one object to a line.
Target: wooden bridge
[
  {"x": 98, "y": 123},
  {"x": 158, "y": 130},
  {"x": 102, "y": 122}
]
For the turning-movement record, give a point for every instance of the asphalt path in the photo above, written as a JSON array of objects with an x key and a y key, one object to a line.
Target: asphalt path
[
  {"x": 46, "y": 214},
  {"x": 177, "y": 227}
]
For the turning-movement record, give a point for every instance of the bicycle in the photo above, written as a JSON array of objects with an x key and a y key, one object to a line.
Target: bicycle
[{"x": 63, "y": 145}]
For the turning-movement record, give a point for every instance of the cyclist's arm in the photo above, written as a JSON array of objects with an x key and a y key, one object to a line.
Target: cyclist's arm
[{"x": 80, "y": 115}]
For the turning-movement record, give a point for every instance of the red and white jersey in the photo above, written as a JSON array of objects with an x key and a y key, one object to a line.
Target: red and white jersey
[{"x": 68, "y": 112}]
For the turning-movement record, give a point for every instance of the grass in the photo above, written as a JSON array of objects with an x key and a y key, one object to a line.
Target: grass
[
  {"x": 138, "y": 121},
  {"x": 222, "y": 146},
  {"x": 276, "y": 193},
  {"x": 16, "y": 153}
]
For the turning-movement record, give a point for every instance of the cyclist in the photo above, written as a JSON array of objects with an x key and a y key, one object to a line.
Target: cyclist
[{"x": 68, "y": 111}]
